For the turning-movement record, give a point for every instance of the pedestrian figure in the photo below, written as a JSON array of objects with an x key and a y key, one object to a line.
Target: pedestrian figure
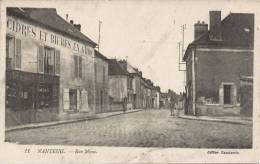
[{"x": 172, "y": 106}]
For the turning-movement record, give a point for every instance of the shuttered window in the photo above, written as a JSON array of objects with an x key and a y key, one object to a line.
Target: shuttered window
[
  {"x": 40, "y": 59},
  {"x": 10, "y": 52},
  {"x": 18, "y": 54},
  {"x": 57, "y": 62},
  {"x": 78, "y": 66}
]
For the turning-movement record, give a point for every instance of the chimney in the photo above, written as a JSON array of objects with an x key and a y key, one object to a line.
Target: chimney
[
  {"x": 199, "y": 29},
  {"x": 67, "y": 17},
  {"x": 77, "y": 26},
  {"x": 215, "y": 25},
  {"x": 71, "y": 22}
]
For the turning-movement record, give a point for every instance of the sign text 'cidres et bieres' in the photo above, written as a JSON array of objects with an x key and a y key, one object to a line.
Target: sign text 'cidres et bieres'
[{"x": 35, "y": 33}]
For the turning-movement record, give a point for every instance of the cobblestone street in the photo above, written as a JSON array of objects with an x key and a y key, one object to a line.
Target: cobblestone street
[{"x": 148, "y": 128}]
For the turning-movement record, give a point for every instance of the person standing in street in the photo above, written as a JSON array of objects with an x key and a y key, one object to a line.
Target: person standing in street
[{"x": 172, "y": 106}]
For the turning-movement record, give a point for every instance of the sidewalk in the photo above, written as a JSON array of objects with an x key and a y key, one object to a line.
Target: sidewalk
[
  {"x": 44, "y": 124},
  {"x": 228, "y": 119}
]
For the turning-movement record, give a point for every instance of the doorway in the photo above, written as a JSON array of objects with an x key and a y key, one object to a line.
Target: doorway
[
  {"x": 227, "y": 94},
  {"x": 73, "y": 99}
]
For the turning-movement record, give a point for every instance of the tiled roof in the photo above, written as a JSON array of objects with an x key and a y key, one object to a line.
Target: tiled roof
[
  {"x": 101, "y": 56},
  {"x": 48, "y": 17},
  {"x": 114, "y": 68},
  {"x": 237, "y": 31}
]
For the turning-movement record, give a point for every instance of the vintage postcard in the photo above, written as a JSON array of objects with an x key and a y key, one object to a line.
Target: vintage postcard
[{"x": 129, "y": 81}]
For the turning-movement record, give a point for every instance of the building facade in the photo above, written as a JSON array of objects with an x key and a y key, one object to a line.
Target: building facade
[
  {"x": 216, "y": 60},
  {"x": 49, "y": 67},
  {"x": 101, "y": 83},
  {"x": 120, "y": 87}
]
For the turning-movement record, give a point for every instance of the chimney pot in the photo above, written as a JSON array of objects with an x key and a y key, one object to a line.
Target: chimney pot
[
  {"x": 67, "y": 17},
  {"x": 200, "y": 29},
  {"x": 77, "y": 26},
  {"x": 71, "y": 22}
]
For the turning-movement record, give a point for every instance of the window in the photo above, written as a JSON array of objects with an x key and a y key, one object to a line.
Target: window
[
  {"x": 78, "y": 66},
  {"x": 13, "y": 52},
  {"x": 45, "y": 95},
  {"x": 48, "y": 60}
]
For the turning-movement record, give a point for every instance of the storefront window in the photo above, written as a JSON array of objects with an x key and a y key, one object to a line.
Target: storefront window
[{"x": 45, "y": 96}]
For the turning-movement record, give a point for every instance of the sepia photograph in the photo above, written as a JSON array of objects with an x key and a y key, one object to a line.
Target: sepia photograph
[{"x": 135, "y": 74}]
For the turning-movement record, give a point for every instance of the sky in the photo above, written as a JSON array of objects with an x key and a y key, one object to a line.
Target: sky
[{"x": 146, "y": 32}]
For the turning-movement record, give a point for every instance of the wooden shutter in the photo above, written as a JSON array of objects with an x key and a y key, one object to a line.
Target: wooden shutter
[
  {"x": 76, "y": 66},
  {"x": 78, "y": 99},
  {"x": 57, "y": 62},
  {"x": 66, "y": 99},
  {"x": 18, "y": 55},
  {"x": 83, "y": 69},
  {"x": 80, "y": 66},
  {"x": 40, "y": 59}
]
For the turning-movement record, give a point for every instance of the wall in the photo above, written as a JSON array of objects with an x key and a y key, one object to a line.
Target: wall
[
  {"x": 45, "y": 37},
  {"x": 101, "y": 86},
  {"x": 246, "y": 98},
  {"x": 189, "y": 85},
  {"x": 117, "y": 87},
  {"x": 215, "y": 67}
]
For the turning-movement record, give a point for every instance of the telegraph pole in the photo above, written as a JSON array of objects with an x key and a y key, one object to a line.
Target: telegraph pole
[
  {"x": 181, "y": 53},
  {"x": 183, "y": 27},
  {"x": 99, "y": 27}
]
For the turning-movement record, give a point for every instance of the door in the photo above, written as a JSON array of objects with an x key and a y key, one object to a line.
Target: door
[
  {"x": 227, "y": 94},
  {"x": 73, "y": 99}
]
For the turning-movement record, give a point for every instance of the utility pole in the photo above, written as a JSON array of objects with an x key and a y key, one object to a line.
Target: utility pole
[
  {"x": 99, "y": 27},
  {"x": 181, "y": 53},
  {"x": 183, "y": 27}
]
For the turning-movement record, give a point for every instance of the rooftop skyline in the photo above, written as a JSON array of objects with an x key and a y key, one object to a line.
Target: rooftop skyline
[{"x": 145, "y": 32}]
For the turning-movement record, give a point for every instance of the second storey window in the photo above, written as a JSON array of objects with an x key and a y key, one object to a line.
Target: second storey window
[
  {"x": 13, "y": 52},
  {"x": 78, "y": 66},
  {"x": 48, "y": 60}
]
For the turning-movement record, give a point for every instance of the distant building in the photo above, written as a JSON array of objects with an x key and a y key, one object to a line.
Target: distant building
[
  {"x": 120, "y": 86},
  {"x": 101, "y": 83},
  {"x": 215, "y": 62},
  {"x": 50, "y": 72},
  {"x": 136, "y": 83},
  {"x": 164, "y": 100}
]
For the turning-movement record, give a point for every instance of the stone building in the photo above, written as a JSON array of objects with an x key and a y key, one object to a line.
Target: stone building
[
  {"x": 216, "y": 60},
  {"x": 101, "y": 83},
  {"x": 120, "y": 86},
  {"x": 136, "y": 83},
  {"x": 49, "y": 67},
  {"x": 246, "y": 101}
]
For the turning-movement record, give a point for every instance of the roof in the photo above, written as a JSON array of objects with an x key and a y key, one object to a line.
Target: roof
[
  {"x": 114, "y": 68},
  {"x": 237, "y": 31},
  {"x": 101, "y": 56},
  {"x": 49, "y": 18}
]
